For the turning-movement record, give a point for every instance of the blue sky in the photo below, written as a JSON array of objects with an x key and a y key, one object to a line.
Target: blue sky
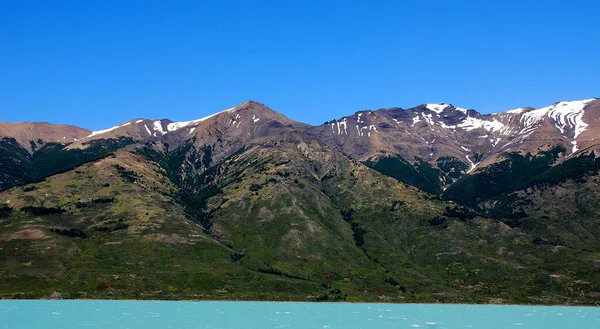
[{"x": 99, "y": 63}]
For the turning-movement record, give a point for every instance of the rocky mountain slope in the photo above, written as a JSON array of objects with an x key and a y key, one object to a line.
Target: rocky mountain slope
[{"x": 433, "y": 203}]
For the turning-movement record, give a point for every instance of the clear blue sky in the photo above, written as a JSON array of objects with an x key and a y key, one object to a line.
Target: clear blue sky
[{"x": 99, "y": 63}]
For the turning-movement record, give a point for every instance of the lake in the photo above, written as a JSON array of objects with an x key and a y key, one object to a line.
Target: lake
[{"x": 262, "y": 315}]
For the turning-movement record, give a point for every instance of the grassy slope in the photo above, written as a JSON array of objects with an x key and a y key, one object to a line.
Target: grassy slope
[{"x": 290, "y": 222}]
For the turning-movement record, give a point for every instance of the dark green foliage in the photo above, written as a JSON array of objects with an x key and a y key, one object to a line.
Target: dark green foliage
[
  {"x": 544, "y": 242},
  {"x": 271, "y": 270},
  {"x": 431, "y": 174},
  {"x": 42, "y": 211},
  {"x": 128, "y": 175},
  {"x": 53, "y": 159},
  {"x": 397, "y": 204},
  {"x": 506, "y": 176},
  {"x": 237, "y": 255},
  {"x": 15, "y": 163},
  {"x": 400, "y": 169},
  {"x": 451, "y": 166},
  {"x": 18, "y": 167},
  {"x": 508, "y": 209},
  {"x": 391, "y": 281},
  {"x": 573, "y": 168},
  {"x": 437, "y": 221},
  {"x": 72, "y": 232},
  {"x": 192, "y": 173},
  {"x": 333, "y": 295},
  {"x": 104, "y": 200},
  {"x": 358, "y": 233},
  {"x": 255, "y": 187},
  {"x": 112, "y": 226},
  {"x": 347, "y": 214},
  {"x": 81, "y": 205},
  {"x": 207, "y": 151},
  {"x": 101, "y": 200},
  {"x": 30, "y": 188},
  {"x": 460, "y": 212},
  {"x": 5, "y": 211}
]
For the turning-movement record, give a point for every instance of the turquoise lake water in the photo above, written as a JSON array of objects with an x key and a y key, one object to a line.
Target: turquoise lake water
[{"x": 264, "y": 315}]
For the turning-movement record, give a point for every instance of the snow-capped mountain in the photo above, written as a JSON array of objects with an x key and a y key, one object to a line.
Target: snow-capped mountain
[
  {"x": 433, "y": 131},
  {"x": 429, "y": 132}
]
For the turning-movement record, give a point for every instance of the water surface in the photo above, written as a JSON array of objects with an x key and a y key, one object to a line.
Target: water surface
[{"x": 264, "y": 315}]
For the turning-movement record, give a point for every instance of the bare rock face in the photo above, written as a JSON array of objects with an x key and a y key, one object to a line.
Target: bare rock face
[{"x": 434, "y": 131}]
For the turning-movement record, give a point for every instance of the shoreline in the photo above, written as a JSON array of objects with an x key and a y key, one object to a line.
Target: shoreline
[{"x": 292, "y": 302}]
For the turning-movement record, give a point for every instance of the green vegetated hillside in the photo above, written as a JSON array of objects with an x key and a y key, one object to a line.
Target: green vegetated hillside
[
  {"x": 18, "y": 166},
  {"x": 293, "y": 219}
]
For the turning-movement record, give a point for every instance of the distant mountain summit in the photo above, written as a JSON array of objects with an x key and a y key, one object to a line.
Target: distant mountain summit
[{"x": 32, "y": 135}]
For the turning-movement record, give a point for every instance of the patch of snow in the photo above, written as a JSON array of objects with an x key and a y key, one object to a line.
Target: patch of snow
[
  {"x": 98, "y": 132},
  {"x": 342, "y": 123},
  {"x": 174, "y": 126},
  {"x": 333, "y": 127},
  {"x": 443, "y": 125},
  {"x": 158, "y": 127},
  {"x": 148, "y": 130},
  {"x": 516, "y": 111},
  {"x": 437, "y": 108},
  {"x": 192, "y": 130},
  {"x": 565, "y": 115},
  {"x": 465, "y": 148},
  {"x": 138, "y": 121},
  {"x": 461, "y": 109},
  {"x": 473, "y": 165},
  {"x": 359, "y": 118},
  {"x": 471, "y": 123},
  {"x": 428, "y": 118},
  {"x": 254, "y": 118},
  {"x": 416, "y": 119},
  {"x": 126, "y": 124}
]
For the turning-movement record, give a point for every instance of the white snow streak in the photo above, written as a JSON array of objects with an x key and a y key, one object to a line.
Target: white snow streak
[
  {"x": 98, "y": 132},
  {"x": 471, "y": 123},
  {"x": 565, "y": 115},
  {"x": 415, "y": 120},
  {"x": 158, "y": 127},
  {"x": 178, "y": 125},
  {"x": 437, "y": 108}
]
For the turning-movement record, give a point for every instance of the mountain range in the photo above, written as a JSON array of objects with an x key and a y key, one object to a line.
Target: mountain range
[{"x": 434, "y": 203}]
